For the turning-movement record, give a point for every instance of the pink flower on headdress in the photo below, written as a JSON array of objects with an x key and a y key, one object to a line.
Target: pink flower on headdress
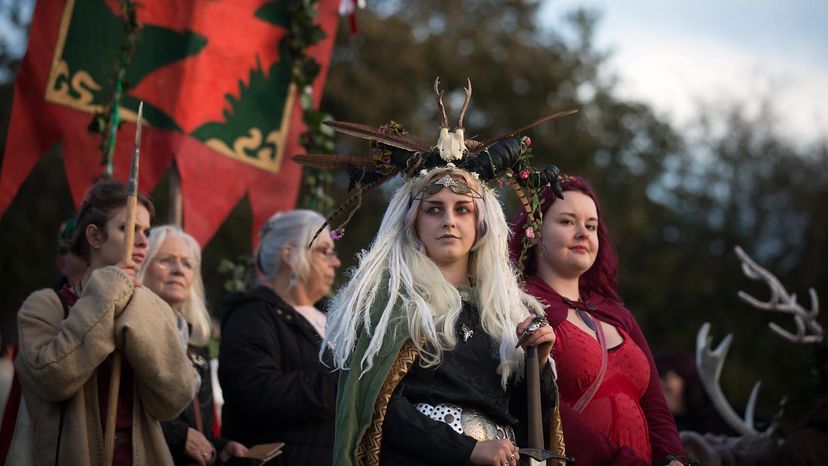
[
  {"x": 527, "y": 142},
  {"x": 530, "y": 232},
  {"x": 337, "y": 234},
  {"x": 523, "y": 174}
]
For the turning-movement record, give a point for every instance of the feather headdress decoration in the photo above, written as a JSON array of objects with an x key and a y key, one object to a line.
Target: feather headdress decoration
[{"x": 394, "y": 151}]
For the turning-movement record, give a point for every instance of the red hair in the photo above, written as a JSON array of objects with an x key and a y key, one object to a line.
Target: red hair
[{"x": 602, "y": 277}]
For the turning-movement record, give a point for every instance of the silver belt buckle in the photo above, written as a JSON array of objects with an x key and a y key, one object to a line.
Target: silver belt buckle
[{"x": 467, "y": 421}]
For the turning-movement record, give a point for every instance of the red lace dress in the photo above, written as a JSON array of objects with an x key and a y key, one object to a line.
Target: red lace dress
[{"x": 615, "y": 411}]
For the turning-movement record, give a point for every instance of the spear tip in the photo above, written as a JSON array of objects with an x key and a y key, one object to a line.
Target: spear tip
[{"x": 133, "y": 172}]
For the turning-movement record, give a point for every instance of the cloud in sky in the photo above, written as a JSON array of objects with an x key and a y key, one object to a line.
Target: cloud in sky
[{"x": 674, "y": 53}]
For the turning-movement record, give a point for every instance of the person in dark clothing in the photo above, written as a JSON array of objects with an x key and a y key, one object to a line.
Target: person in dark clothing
[
  {"x": 180, "y": 432},
  {"x": 685, "y": 395},
  {"x": 70, "y": 265},
  {"x": 172, "y": 270},
  {"x": 426, "y": 333},
  {"x": 807, "y": 445},
  {"x": 275, "y": 387}
]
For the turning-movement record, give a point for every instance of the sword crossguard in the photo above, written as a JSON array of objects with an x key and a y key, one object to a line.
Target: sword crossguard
[{"x": 539, "y": 454}]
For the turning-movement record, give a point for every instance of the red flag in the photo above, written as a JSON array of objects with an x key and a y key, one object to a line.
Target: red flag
[{"x": 216, "y": 82}]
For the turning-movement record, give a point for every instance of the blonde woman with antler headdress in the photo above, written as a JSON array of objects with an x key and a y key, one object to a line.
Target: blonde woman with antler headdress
[{"x": 431, "y": 329}]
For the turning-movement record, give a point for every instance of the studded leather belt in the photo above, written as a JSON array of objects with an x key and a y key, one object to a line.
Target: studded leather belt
[{"x": 467, "y": 421}]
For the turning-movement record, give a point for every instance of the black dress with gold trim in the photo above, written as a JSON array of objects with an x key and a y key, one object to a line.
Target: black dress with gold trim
[{"x": 467, "y": 379}]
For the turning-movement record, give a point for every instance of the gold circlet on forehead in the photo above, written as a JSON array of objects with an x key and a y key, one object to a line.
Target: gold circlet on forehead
[{"x": 447, "y": 181}]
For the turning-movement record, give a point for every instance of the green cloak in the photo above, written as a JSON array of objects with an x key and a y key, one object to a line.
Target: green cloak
[{"x": 356, "y": 399}]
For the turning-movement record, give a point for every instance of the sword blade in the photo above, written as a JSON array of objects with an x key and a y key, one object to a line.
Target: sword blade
[{"x": 540, "y": 454}]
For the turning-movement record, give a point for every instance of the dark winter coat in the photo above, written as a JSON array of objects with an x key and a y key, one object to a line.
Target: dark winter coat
[
  {"x": 175, "y": 431},
  {"x": 275, "y": 388}
]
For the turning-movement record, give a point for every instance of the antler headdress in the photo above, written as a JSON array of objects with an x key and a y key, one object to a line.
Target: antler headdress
[{"x": 394, "y": 151}]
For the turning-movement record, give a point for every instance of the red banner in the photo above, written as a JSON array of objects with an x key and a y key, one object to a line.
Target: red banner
[{"x": 218, "y": 100}]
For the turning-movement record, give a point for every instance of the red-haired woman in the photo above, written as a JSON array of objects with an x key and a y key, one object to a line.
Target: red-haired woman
[{"x": 612, "y": 407}]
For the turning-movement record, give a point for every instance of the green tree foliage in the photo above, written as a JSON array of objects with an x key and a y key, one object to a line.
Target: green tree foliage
[
  {"x": 739, "y": 182},
  {"x": 676, "y": 203}
]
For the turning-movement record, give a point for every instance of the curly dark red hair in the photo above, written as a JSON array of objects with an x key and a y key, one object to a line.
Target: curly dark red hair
[{"x": 602, "y": 277}]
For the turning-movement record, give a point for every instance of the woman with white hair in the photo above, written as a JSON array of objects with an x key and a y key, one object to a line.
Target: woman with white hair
[
  {"x": 275, "y": 387},
  {"x": 426, "y": 333},
  {"x": 172, "y": 270}
]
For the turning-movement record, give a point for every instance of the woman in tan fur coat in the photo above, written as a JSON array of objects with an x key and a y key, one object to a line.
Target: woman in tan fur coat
[{"x": 66, "y": 342}]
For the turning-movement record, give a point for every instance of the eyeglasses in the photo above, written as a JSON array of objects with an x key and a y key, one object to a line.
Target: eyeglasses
[
  {"x": 329, "y": 252},
  {"x": 172, "y": 261}
]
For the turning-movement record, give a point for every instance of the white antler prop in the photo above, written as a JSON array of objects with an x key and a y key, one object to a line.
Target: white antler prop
[
  {"x": 710, "y": 363},
  {"x": 782, "y": 301}
]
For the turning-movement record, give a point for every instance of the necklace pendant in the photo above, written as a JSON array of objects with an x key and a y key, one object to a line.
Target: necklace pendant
[{"x": 467, "y": 332}]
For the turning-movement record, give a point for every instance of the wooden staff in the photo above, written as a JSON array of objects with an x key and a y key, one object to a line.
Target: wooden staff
[
  {"x": 533, "y": 398},
  {"x": 535, "y": 452},
  {"x": 129, "y": 239}
]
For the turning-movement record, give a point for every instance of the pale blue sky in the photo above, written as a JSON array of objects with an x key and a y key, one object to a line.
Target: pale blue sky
[{"x": 672, "y": 53}]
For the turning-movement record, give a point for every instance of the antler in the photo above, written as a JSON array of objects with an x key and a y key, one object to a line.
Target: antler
[
  {"x": 468, "y": 90},
  {"x": 709, "y": 364},
  {"x": 781, "y": 301},
  {"x": 440, "y": 102}
]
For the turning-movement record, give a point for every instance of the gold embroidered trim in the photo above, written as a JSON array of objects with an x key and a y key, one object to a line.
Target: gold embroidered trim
[
  {"x": 368, "y": 452},
  {"x": 556, "y": 438}
]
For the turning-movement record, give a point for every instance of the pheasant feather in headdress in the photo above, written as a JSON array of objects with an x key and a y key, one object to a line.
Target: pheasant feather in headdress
[{"x": 395, "y": 151}]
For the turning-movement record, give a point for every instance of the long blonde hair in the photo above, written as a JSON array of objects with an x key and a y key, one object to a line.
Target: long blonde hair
[
  {"x": 428, "y": 303},
  {"x": 193, "y": 310}
]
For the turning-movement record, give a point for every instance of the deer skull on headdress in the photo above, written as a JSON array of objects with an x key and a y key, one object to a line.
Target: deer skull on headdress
[{"x": 450, "y": 144}]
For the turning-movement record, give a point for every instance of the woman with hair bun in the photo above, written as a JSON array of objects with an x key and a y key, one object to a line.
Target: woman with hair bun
[
  {"x": 67, "y": 339},
  {"x": 275, "y": 387}
]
